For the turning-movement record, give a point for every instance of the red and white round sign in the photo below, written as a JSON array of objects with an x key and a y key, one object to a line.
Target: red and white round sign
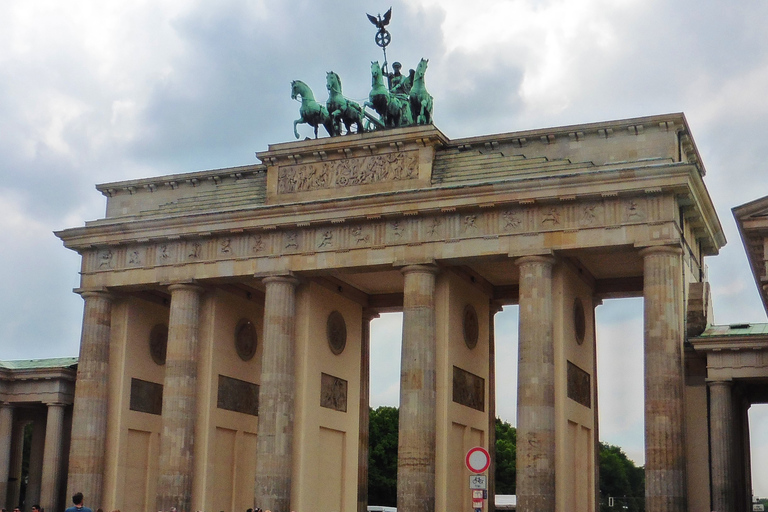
[{"x": 478, "y": 459}]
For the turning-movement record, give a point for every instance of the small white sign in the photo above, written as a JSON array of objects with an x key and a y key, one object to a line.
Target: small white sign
[
  {"x": 758, "y": 507},
  {"x": 478, "y": 482},
  {"x": 477, "y": 494}
]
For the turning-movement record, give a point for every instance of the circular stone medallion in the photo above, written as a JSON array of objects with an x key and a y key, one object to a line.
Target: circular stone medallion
[
  {"x": 579, "y": 321},
  {"x": 245, "y": 339},
  {"x": 471, "y": 328},
  {"x": 158, "y": 343},
  {"x": 336, "y": 329}
]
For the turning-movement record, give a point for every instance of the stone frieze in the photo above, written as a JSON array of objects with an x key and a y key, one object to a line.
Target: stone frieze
[
  {"x": 348, "y": 172},
  {"x": 408, "y": 229}
]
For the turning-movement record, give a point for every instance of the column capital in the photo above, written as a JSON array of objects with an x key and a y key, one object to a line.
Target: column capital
[
  {"x": 56, "y": 404},
  {"x": 547, "y": 259},
  {"x": 87, "y": 293},
  {"x": 723, "y": 382},
  {"x": 423, "y": 268},
  {"x": 370, "y": 314},
  {"x": 185, "y": 285},
  {"x": 287, "y": 278},
  {"x": 661, "y": 249}
]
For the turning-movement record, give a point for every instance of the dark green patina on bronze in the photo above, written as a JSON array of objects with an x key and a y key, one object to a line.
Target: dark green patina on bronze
[{"x": 402, "y": 101}]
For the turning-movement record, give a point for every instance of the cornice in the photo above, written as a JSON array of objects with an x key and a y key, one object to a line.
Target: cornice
[{"x": 614, "y": 180}]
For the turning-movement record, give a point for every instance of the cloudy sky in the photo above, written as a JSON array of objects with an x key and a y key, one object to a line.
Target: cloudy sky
[{"x": 94, "y": 91}]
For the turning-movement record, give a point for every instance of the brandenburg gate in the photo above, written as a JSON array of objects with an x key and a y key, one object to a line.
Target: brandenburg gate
[{"x": 225, "y": 344}]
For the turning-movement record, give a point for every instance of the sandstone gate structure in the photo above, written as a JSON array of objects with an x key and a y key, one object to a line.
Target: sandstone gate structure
[{"x": 224, "y": 359}]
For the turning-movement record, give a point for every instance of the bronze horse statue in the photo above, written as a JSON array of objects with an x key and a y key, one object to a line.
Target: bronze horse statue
[
  {"x": 421, "y": 100},
  {"x": 342, "y": 110},
  {"x": 311, "y": 112}
]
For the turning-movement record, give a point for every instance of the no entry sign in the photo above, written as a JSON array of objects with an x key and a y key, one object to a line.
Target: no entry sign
[{"x": 478, "y": 459}]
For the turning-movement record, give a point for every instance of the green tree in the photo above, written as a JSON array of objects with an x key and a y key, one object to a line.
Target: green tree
[
  {"x": 382, "y": 456},
  {"x": 620, "y": 479},
  {"x": 505, "y": 457}
]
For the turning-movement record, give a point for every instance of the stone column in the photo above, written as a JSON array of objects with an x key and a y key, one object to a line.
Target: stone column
[
  {"x": 6, "y": 437},
  {"x": 36, "y": 450},
  {"x": 177, "y": 443},
  {"x": 536, "y": 387},
  {"x": 493, "y": 308},
  {"x": 418, "y": 415},
  {"x": 49, "y": 491},
  {"x": 277, "y": 395},
  {"x": 664, "y": 415},
  {"x": 365, "y": 404},
  {"x": 17, "y": 452},
  {"x": 89, "y": 413},
  {"x": 721, "y": 433}
]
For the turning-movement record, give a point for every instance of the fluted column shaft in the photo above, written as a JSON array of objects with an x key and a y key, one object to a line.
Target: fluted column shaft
[
  {"x": 89, "y": 414},
  {"x": 417, "y": 432},
  {"x": 277, "y": 395},
  {"x": 364, "y": 418},
  {"x": 536, "y": 387},
  {"x": 6, "y": 437},
  {"x": 49, "y": 491},
  {"x": 179, "y": 415},
  {"x": 664, "y": 415},
  {"x": 721, "y": 435}
]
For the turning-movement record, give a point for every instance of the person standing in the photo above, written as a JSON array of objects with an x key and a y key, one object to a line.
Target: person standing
[{"x": 77, "y": 500}]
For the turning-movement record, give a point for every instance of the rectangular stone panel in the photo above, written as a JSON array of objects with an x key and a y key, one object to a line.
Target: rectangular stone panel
[
  {"x": 238, "y": 396},
  {"x": 333, "y": 392},
  {"x": 579, "y": 389},
  {"x": 146, "y": 397},
  {"x": 468, "y": 389}
]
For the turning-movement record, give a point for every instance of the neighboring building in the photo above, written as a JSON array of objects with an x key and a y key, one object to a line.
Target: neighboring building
[{"x": 35, "y": 398}]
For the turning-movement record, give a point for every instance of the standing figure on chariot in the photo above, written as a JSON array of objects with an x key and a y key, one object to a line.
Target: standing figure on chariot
[{"x": 399, "y": 83}]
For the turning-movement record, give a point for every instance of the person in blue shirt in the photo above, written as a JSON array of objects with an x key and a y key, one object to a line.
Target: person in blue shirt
[{"x": 77, "y": 499}]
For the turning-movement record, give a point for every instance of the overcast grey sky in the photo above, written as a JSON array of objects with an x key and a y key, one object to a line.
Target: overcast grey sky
[{"x": 94, "y": 91}]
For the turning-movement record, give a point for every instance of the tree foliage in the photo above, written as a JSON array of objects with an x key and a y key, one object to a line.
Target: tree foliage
[
  {"x": 382, "y": 456},
  {"x": 505, "y": 457},
  {"x": 619, "y": 477}
]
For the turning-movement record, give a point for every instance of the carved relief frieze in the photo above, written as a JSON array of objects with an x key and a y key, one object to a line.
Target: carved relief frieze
[
  {"x": 361, "y": 236},
  {"x": 135, "y": 256},
  {"x": 257, "y": 244},
  {"x": 325, "y": 238},
  {"x": 290, "y": 242},
  {"x": 348, "y": 172},
  {"x": 375, "y": 232},
  {"x": 512, "y": 220},
  {"x": 434, "y": 228},
  {"x": 106, "y": 259},
  {"x": 165, "y": 253},
  {"x": 634, "y": 210},
  {"x": 194, "y": 250}
]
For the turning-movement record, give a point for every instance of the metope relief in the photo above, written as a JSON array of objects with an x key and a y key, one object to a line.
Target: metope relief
[
  {"x": 348, "y": 172},
  {"x": 634, "y": 211},
  {"x": 106, "y": 259},
  {"x": 360, "y": 236},
  {"x": 135, "y": 257},
  {"x": 257, "y": 244},
  {"x": 325, "y": 239},
  {"x": 551, "y": 217},
  {"x": 512, "y": 220}
]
